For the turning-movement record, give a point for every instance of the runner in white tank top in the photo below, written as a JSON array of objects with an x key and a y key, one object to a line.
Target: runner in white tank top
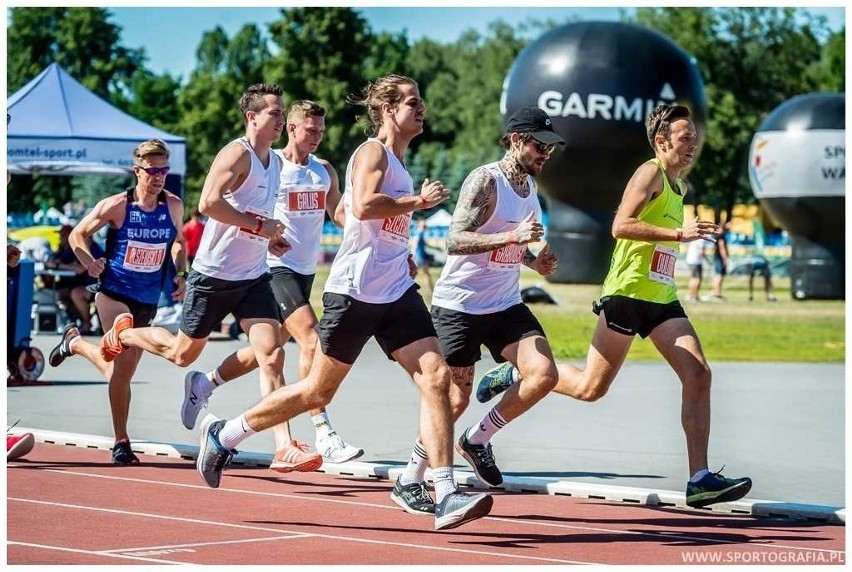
[
  {"x": 301, "y": 206},
  {"x": 233, "y": 253},
  {"x": 372, "y": 262},
  {"x": 230, "y": 275},
  {"x": 477, "y": 298},
  {"x": 489, "y": 281},
  {"x": 373, "y": 265},
  {"x": 309, "y": 188}
]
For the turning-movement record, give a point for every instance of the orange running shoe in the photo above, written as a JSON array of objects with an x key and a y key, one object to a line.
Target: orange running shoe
[
  {"x": 295, "y": 457},
  {"x": 111, "y": 348}
]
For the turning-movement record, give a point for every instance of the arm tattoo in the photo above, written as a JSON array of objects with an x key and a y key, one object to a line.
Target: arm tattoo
[{"x": 477, "y": 198}]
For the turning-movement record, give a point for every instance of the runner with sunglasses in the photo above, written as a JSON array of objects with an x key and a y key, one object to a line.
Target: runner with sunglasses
[
  {"x": 144, "y": 233},
  {"x": 639, "y": 297},
  {"x": 477, "y": 299}
]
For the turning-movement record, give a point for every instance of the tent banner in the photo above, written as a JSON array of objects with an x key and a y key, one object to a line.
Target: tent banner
[{"x": 49, "y": 154}]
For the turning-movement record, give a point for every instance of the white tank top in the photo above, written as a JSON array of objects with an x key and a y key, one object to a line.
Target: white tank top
[
  {"x": 489, "y": 281},
  {"x": 372, "y": 263},
  {"x": 229, "y": 252},
  {"x": 301, "y": 206}
]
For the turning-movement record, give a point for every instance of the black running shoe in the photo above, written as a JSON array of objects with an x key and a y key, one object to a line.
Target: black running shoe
[
  {"x": 122, "y": 454},
  {"x": 482, "y": 460},
  {"x": 714, "y": 488},
  {"x": 413, "y": 498},
  {"x": 63, "y": 350},
  {"x": 212, "y": 456}
]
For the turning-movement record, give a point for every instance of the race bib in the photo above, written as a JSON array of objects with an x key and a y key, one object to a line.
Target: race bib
[
  {"x": 506, "y": 257},
  {"x": 248, "y": 234},
  {"x": 144, "y": 257},
  {"x": 307, "y": 200},
  {"x": 662, "y": 267},
  {"x": 395, "y": 230}
]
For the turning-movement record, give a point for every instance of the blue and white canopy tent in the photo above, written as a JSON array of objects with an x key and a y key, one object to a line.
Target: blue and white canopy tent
[{"x": 59, "y": 127}]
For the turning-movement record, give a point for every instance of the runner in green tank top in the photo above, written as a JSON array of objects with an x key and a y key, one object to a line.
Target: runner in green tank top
[{"x": 639, "y": 297}]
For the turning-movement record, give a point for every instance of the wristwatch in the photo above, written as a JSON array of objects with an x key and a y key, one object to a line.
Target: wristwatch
[{"x": 182, "y": 274}]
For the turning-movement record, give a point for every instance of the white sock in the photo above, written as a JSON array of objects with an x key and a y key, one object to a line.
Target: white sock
[
  {"x": 487, "y": 428},
  {"x": 444, "y": 482},
  {"x": 73, "y": 341},
  {"x": 516, "y": 375},
  {"x": 235, "y": 432},
  {"x": 699, "y": 475},
  {"x": 415, "y": 470},
  {"x": 322, "y": 425}
]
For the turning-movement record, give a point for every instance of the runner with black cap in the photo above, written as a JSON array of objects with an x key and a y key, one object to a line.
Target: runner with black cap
[{"x": 477, "y": 299}]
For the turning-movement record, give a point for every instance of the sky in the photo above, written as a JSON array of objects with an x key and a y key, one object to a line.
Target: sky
[{"x": 170, "y": 36}]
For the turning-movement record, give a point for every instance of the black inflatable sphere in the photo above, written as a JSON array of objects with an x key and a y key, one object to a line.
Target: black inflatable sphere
[
  {"x": 797, "y": 171},
  {"x": 598, "y": 81}
]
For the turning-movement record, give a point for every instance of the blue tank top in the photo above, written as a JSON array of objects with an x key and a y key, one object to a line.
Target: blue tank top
[{"x": 138, "y": 253}]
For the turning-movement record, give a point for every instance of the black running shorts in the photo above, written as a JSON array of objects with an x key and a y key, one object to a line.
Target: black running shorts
[
  {"x": 209, "y": 300},
  {"x": 143, "y": 314},
  {"x": 347, "y": 324},
  {"x": 461, "y": 334},
  {"x": 292, "y": 290},
  {"x": 629, "y": 316}
]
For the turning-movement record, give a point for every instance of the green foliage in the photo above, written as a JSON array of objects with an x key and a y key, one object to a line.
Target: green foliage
[{"x": 751, "y": 60}]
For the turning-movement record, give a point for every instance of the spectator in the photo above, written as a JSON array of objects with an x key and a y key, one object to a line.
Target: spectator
[
  {"x": 71, "y": 290},
  {"x": 192, "y": 231},
  {"x": 760, "y": 265},
  {"x": 720, "y": 264},
  {"x": 695, "y": 254},
  {"x": 422, "y": 258}
]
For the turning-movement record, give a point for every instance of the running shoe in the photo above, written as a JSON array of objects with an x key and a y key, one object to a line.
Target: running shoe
[
  {"x": 63, "y": 349},
  {"x": 122, "y": 454},
  {"x": 482, "y": 460},
  {"x": 212, "y": 456},
  {"x": 494, "y": 382},
  {"x": 413, "y": 498},
  {"x": 335, "y": 450},
  {"x": 19, "y": 445},
  {"x": 714, "y": 488},
  {"x": 111, "y": 347},
  {"x": 458, "y": 508},
  {"x": 194, "y": 399},
  {"x": 295, "y": 457}
]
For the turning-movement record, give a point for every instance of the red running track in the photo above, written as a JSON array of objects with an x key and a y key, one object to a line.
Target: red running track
[{"x": 69, "y": 505}]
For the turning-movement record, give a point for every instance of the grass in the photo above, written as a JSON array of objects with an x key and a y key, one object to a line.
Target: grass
[{"x": 735, "y": 330}]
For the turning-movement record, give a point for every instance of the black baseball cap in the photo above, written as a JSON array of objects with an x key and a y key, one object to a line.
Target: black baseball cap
[{"x": 537, "y": 123}]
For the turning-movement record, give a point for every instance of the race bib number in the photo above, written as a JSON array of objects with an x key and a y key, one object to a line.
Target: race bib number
[
  {"x": 248, "y": 234},
  {"x": 144, "y": 257},
  {"x": 506, "y": 257},
  {"x": 662, "y": 267},
  {"x": 395, "y": 230},
  {"x": 306, "y": 201}
]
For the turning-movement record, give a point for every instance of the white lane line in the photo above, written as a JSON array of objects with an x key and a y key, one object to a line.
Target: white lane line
[
  {"x": 135, "y": 550},
  {"x": 278, "y": 530},
  {"x": 756, "y": 543},
  {"x": 91, "y": 552}
]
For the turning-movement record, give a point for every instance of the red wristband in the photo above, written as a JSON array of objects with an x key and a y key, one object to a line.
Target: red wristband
[
  {"x": 259, "y": 226},
  {"x": 679, "y": 235}
]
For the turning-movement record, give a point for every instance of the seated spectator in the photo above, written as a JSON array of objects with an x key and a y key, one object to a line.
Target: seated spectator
[{"x": 71, "y": 290}]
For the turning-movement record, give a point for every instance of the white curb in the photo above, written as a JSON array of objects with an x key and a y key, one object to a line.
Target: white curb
[{"x": 540, "y": 485}]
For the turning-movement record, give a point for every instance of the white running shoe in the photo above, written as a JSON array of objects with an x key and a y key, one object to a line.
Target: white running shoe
[
  {"x": 335, "y": 450},
  {"x": 194, "y": 399}
]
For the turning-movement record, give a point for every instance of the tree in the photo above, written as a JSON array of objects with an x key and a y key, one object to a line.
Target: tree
[
  {"x": 208, "y": 104},
  {"x": 752, "y": 60},
  {"x": 321, "y": 57}
]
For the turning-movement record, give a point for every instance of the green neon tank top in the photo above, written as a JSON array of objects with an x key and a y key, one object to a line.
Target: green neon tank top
[{"x": 645, "y": 270}]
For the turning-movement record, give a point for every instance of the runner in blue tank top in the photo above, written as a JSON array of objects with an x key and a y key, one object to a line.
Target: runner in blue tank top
[{"x": 144, "y": 234}]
